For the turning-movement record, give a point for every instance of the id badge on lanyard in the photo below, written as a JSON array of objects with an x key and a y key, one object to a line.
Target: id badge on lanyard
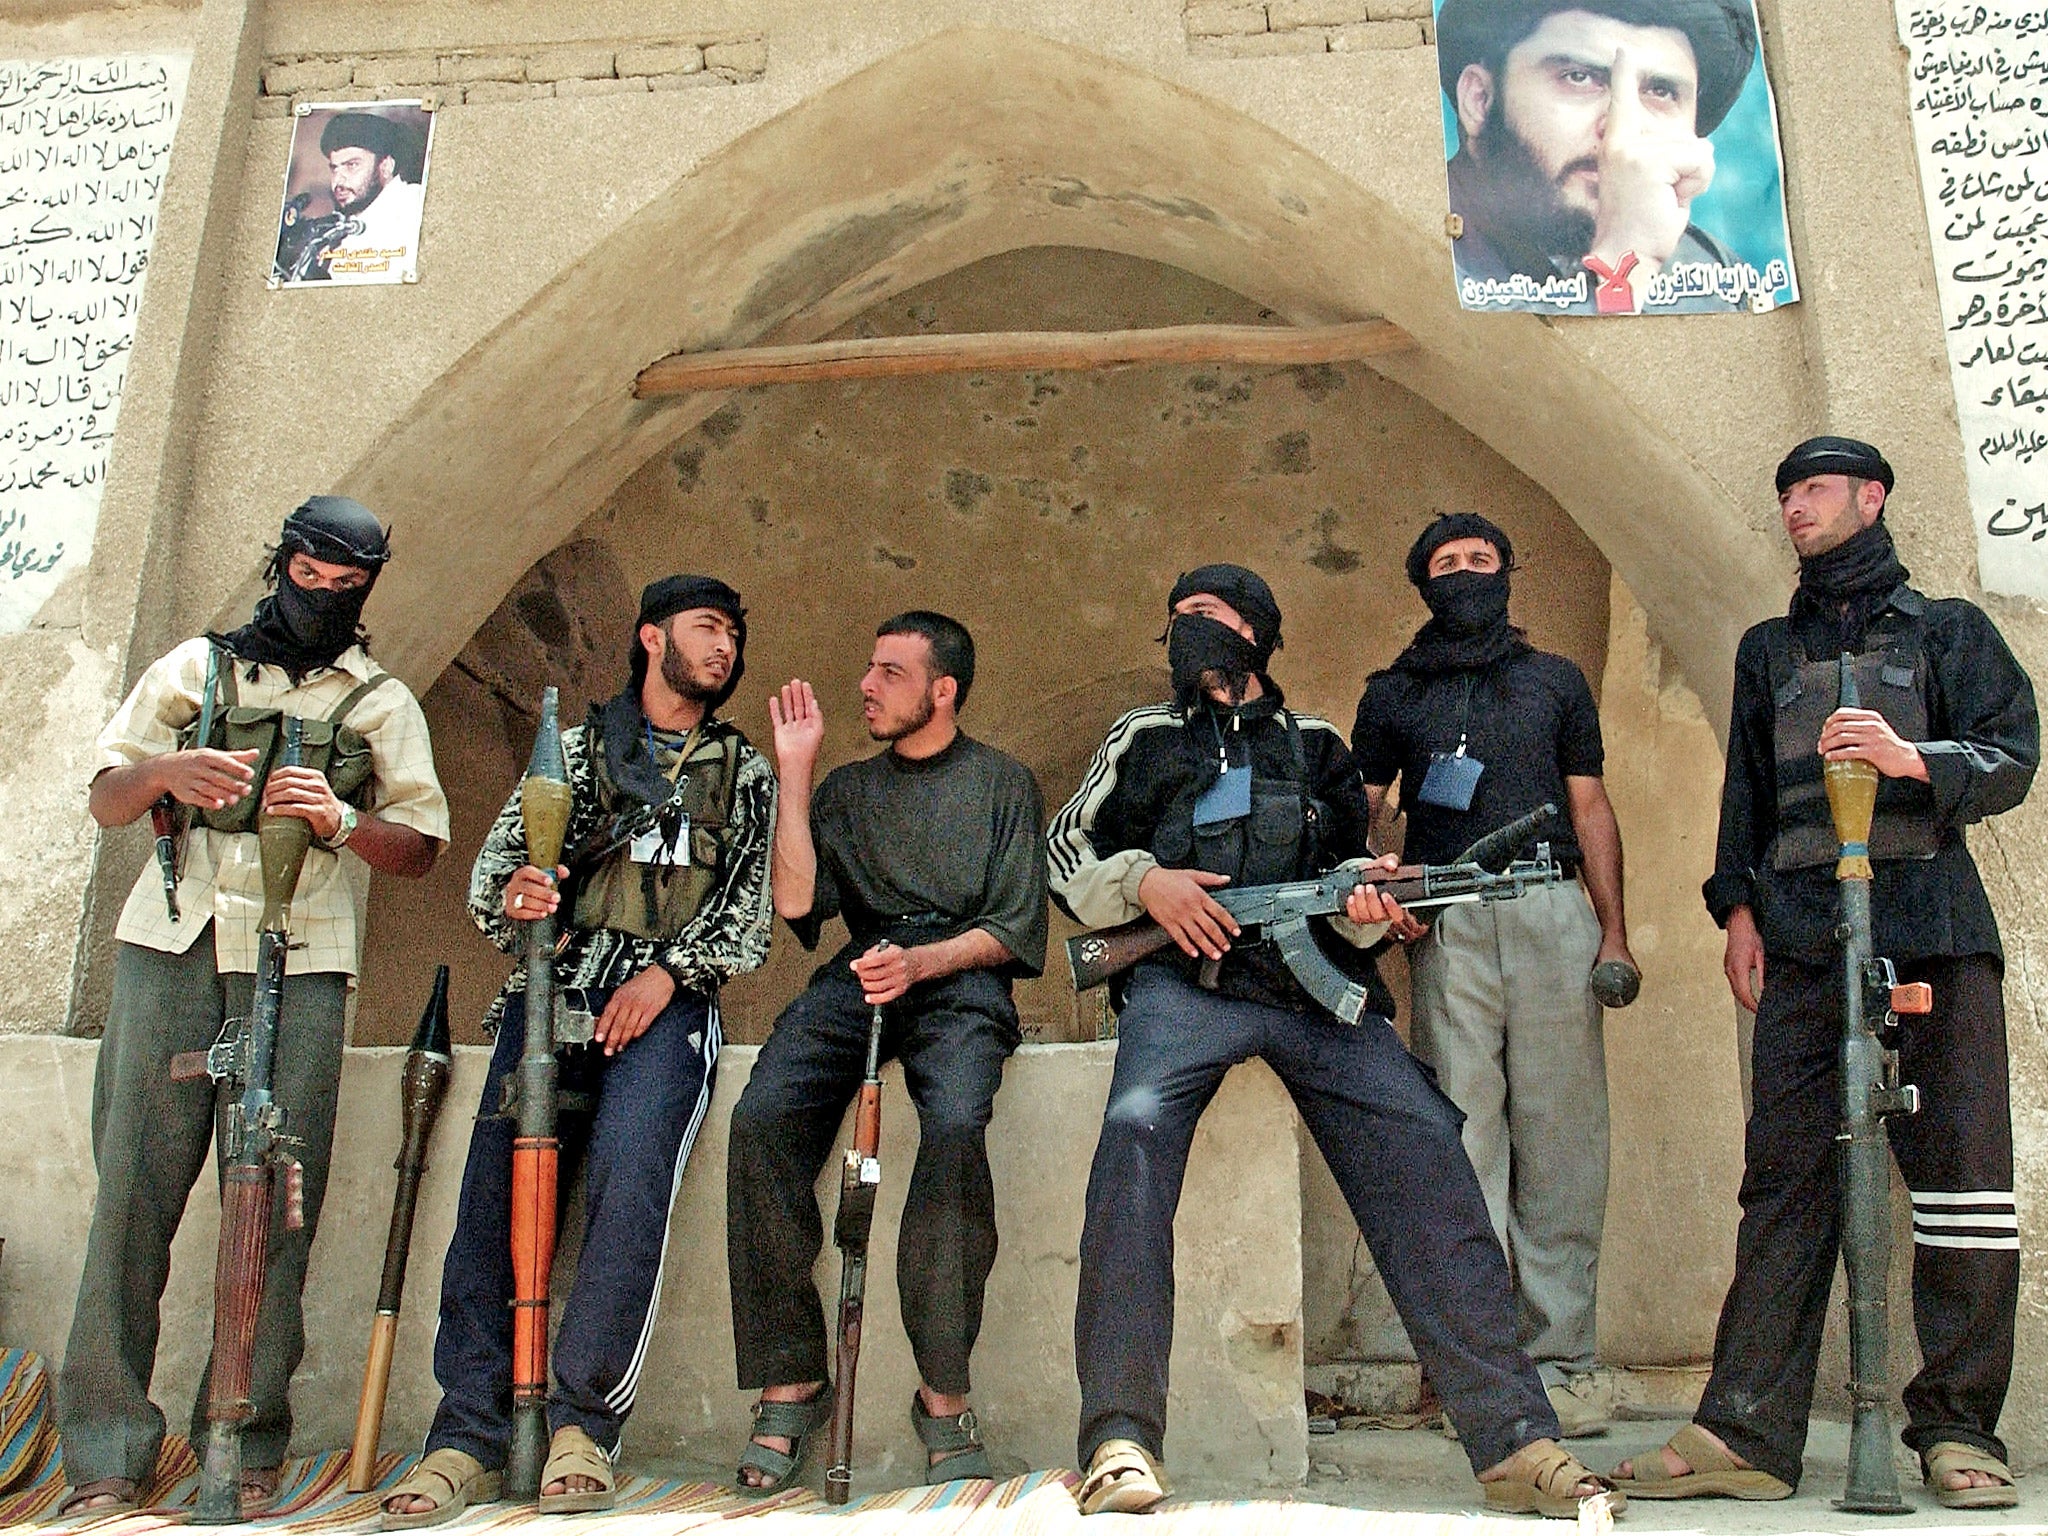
[
  {"x": 1230, "y": 797},
  {"x": 1453, "y": 777},
  {"x": 651, "y": 847}
]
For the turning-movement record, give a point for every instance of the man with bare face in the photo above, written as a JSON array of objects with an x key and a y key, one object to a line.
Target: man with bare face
[{"x": 1583, "y": 139}]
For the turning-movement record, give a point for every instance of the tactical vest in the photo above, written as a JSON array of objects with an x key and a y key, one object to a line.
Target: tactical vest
[
  {"x": 338, "y": 751},
  {"x": 658, "y": 900},
  {"x": 1280, "y": 839},
  {"x": 1892, "y": 678}
]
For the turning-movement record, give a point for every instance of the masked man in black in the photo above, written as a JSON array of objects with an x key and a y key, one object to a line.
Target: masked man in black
[
  {"x": 179, "y": 974},
  {"x": 1952, "y": 729},
  {"x": 1225, "y": 785},
  {"x": 1482, "y": 728},
  {"x": 666, "y": 888}
]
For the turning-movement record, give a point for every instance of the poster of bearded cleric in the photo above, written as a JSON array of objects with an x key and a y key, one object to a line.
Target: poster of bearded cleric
[
  {"x": 1612, "y": 157},
  {"x": 354, "y": 189}
]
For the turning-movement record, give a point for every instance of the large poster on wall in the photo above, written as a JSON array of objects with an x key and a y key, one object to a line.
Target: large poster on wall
[
  {"x": 84, "y": 145},
  {"x": 1612, "y": 157},
  {"x": 1978, "y": 76},
  {"x": 355, "y": 188}
]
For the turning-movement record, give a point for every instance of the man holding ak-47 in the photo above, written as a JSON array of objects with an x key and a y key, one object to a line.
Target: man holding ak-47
[
  {"x": 1225, "y": 785},
  {"x": 178, "y": 978}
]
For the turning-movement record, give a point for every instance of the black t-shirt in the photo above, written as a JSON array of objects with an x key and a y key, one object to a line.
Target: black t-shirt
[
  {"x": 1530, "y": 719},
  {"x": 955, "y": 838}
]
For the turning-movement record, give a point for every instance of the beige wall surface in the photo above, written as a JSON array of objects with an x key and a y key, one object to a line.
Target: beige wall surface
[{"x": 574, "y": 236}]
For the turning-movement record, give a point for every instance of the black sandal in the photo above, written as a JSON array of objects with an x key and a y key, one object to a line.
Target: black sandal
[
  {"x": 794, "y": 1422},
  {"x": 957, "y": 1439}
]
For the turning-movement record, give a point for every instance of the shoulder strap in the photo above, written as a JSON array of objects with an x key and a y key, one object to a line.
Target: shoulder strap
[
  {"x": 230, "y": 691},
  {"x": 1781, "y": 670},
  {"x": 356, "y": 695},
  {"x": 1295, "y": 747}
]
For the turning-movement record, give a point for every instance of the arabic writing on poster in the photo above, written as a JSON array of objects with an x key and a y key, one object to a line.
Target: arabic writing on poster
[
  {"x": 84, "y": 144},
  {"x": 1979, "y": 82}
]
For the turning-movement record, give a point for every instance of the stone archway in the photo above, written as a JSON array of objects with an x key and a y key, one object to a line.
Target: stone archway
[{"x": 970, "y": 144}]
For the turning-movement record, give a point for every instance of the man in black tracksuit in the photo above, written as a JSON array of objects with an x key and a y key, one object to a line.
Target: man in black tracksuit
[
  {"x": 1223, "y": 785},
  {"x": 1951, "y": 726}
]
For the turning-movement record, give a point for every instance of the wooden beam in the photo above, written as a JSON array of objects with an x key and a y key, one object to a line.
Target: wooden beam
[{"x": 898, "y": 357}]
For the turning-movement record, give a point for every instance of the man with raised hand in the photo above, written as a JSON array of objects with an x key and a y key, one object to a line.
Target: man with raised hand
[{"x": 930, "y": 852}]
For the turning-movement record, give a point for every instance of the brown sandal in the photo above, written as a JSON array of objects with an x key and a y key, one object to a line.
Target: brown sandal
[
  {"x": 1946, "y": 1456},
  {"x": 1543, "y": 1478},
  {"x": 123, "y": 1489},
  {"x": 1714, "y": 1473}
]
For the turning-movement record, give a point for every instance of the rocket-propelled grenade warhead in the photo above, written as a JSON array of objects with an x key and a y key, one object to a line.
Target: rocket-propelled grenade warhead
[{"x": 1852, "y": 795}]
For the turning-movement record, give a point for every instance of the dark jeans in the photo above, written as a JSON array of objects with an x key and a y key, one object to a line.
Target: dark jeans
[
  {"x": 1956, "y": 1158},
  {"x": 150, "y": 1138},
  {"x": 952, "y": 1037},
  {"x": 633, "y": 1143},
  {"x": 1391, "y": 1139}
]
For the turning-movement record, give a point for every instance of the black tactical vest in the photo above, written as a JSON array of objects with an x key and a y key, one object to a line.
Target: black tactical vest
[
  {"x": 1892, "y": 678},
  {"x": 1280, "y": 839}
]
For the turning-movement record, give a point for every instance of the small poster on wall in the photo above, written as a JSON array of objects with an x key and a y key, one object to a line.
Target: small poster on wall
[
  {"x": 354, "y": 189},
  {"x": 1612, "y": 157}
]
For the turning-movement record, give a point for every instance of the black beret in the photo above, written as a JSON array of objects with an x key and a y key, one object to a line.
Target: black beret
[
  {"x": 362, "y": 130},
  {"x": 672, "y": 595},
  {"x": 1833, "y": 456},
  {"x": 1244, "y": 590},
  {"x": 1456, "y": 525},
  {"x": 1722, "y": 33},
  {"x": 337, "y": 529}
]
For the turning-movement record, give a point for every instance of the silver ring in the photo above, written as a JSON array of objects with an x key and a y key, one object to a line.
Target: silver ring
[{"x": 518, "y": 903}]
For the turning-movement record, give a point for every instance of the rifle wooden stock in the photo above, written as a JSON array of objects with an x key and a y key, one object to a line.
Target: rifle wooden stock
[
  {"x": 860, "y": 1179},
  {"x": 421, "y": 1089}
]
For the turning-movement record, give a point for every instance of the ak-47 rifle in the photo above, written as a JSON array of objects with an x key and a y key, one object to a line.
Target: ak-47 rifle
[
  {"x": 544, "y": 806},
  {"x": 165, "y": 816},
  {"x": 255, "y": 1151},
  {"x": 1487, "y": 871},
  {"x": 859, "y": 1180},
  {"x": 1872, "y": 999},
  {"x": 420, "y": 1092}
]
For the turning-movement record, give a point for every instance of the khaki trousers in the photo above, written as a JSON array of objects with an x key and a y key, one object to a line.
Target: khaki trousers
[{"x": 1504, "y": 1016}]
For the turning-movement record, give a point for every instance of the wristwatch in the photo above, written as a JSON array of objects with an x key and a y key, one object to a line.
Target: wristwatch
[{"x": 347, "y": 829}]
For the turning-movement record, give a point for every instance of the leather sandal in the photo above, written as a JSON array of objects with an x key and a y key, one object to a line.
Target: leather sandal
[
  {"x": 572, "y": 1453},
  {"x": 453, "y": 1479},
  {"x": 955, "y": 1439},
  {"x": 1946, "y": 1456},
  {"x": 1123, "y": 1479},
  {"x": 1714, "y": 1473},
  {"x": 126, "y": 1497},
  {"x": 1543, "y": 1478},
  {"x": 258, "y": 1490},
  {"x": 794, "y": 1422}
]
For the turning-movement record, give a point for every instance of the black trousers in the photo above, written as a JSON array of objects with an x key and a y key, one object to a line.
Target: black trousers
[
  {"x": 952, "y": 1037},
  {"x": 1392, "y": 1140},
  {"x": 1956, "y": 1158}
]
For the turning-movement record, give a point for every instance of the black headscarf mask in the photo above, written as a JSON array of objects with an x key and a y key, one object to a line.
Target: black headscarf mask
[
  {"x": 1199, "y": 648},
  {"x": 1468, "y": 625},
  {"x": 303, "y": 629}
]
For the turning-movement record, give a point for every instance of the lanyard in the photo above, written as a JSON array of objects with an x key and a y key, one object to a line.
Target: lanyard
[{"x": 675, "y": 771}]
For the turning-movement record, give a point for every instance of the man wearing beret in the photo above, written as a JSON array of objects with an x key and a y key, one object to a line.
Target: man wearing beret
[
  {"x": 1224, "y": 784},
  {"x": 185, "y": 963},
  {"x": 1582, "y": 129},
  {"x": 666, "y": 891},
  {"x": 1482, "y": 728},
  {"x": 1951, "y": 727}
]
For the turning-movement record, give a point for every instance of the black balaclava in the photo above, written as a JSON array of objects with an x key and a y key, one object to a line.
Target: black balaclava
[
  {"x": 1468, "y": 624},
  {"x": 303, "y": 629},
  {"x": 671, "y": 595},
  {"x": 1851, "y": 581},
  {"x": 1196, "y": 644}
]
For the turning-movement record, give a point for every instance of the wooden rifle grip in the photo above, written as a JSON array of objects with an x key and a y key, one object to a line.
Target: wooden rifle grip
[
  {"x": 867, "y": 1120},
  {"x": 238, "y": 1290}
]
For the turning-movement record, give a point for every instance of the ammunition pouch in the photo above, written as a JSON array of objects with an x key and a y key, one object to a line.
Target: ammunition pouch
[
  {"x": 335, "y": 749},
  {"x": 652, "y": 900},
  {"x": 1892, "y": 678}
]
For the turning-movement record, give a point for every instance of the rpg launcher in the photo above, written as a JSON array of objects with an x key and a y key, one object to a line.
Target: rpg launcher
[
  {"x": 254, "y": 1154},
  {"x": 860, "y": 1179},
  {"x": 1872, "y": 999},
  {"x": 1487, "y": 871},
  {"x": 420, "y": 1092},
  {"x": 544, "y": 800}
]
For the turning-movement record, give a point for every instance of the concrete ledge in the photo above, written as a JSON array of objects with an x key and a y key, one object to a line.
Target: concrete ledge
[{"x": 1236, "y": 1415}]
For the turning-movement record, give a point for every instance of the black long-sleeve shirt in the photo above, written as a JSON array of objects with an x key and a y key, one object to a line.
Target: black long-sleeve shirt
[{"x": 1985, "y": 746}]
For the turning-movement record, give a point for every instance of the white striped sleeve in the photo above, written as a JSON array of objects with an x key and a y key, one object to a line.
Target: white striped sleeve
[{"x": 1101, "y": 891}]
